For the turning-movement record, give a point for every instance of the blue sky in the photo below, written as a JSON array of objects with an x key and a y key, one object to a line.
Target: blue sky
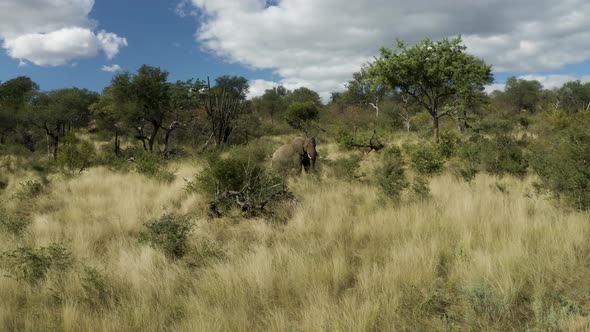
[
  {"x": 156, "y": 35},
  {"x": 317, "y": 44}
]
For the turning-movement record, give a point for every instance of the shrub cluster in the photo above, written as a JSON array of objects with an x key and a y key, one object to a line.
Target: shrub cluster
[
  {"x": 240, "y": 180},
  {"x": 32, "y": 265},
  {"x": 168, "y": 233},
  {"x": 563, "y": 164},
  {"x": 390, "y": 176},
  {"x": 346, "y": 167},
  {"x": 426, "y": 158}
]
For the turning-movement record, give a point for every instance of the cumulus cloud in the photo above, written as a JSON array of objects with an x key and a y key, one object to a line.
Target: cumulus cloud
[
  {"x": 548, "y": 81},
  {"x": 111, "y": 69},
  {"x": 52, "y": 32},
  {"x": 321, "y": 43}
]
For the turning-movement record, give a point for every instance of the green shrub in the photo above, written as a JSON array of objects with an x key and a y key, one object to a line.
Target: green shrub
[
  {"x": 390, "y": 176},
  {"x": 168, "y": 233},
  {"x": 239, "y": 180},
  {"x": 347, "y": 167},
  {"x": 300, "y": 114},
  {"x": 13, "y": 224},
  {"x": 75, "y": 155},
  {"x": 97, "y": 292},
  {"x": 449, "y": 141},
  {"x": 369, "y": 139},
  {"x": 562, "y": 163},
  {"x": 152, "y": 165},
  {"x": 420, "y": 187},
  {"x": 426, "y": 158},
  {"x": 30, "y": 189},
  {"x": 32, "y": 265},
  {"x": 503, "y": 155}
]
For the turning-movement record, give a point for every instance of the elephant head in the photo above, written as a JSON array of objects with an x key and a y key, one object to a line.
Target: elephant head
[{"x": 306, "y": 147}]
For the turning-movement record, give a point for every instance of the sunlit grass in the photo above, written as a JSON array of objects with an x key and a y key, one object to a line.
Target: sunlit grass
[{"x": 472, "y": 257}]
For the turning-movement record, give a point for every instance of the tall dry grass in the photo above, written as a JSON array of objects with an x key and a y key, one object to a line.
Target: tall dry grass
[{"x": 472, "y": 257}]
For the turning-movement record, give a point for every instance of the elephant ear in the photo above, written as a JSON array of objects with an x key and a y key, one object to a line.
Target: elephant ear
[{"x": 298, "y": 145}]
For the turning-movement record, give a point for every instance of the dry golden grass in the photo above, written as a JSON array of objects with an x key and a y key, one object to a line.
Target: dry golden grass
[{"x": 472, "y": 257}]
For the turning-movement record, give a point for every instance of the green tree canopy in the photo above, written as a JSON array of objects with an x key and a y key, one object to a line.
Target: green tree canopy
[
  {"x": 523, "y": 94},
  {"x": 301, "y": 114},
  {"x": 431, "y": 73}
]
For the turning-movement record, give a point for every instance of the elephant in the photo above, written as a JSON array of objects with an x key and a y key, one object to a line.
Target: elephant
[{"x": 301, "y": 152}]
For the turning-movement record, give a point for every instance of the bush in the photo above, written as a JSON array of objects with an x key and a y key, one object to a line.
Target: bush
[
  {"x": 369, "y": 139},
  {"x": 426, "y": 158},
  {"x": 420, "y": 187},
  {"x": 503, "y": 155},
  {"x": 12, "y": 223},
  {"x": 152, "y": 165},
  {"x": 390, "y": 176},
  {"x": 346, "y": 167},
  {"x": 168, "y": 233},
  {"x": 449, "y": 141},
  {"x": 97, "y": 292},
  {"x": 301, "y": 114},
  {"x": 30, "y": 189},
  {"x": 75, "y": 155},
  {"x": 239, "y": 180},
  {"x": 562, "y": 164},
  {"x": 32, "y": 265}
]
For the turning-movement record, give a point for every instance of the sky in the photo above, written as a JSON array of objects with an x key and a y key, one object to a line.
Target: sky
[{"x": 312, "y": 43}]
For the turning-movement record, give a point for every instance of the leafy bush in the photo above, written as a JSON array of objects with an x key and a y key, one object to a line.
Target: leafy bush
[
  {"x": 420, "y": 187},
  {"x": 12, "y": 223},
  {"x": 390, "y": 176},
  {"x": 96, "y": 290},
  {"x": 370, "y": 139},
  {"x": 75, "y": 154},
  {"x": 449, "y": 141},
  {"x": 300, "y": 114},
  {"x": 152, "y": 165},
  {"x": 30, "y": 189},
  {"x": 346, "y": 167},
  {"x": 503, "y": 155},
  {"x": 32, "y": 265},
  {"x": 240, "y": 180},
  {"x": 426, "y": 158},
  {"x": 168, "y": 233},
  {"x": 562, "y": 163}
]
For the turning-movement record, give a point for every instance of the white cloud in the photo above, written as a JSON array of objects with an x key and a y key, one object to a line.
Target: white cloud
[
  {"x": 53, "y": 32},
  {"x": 110, "y": 43},
  {"x": 321, "y": 43},
  {"x": 111, "y": 69},
  {"x": 548, "y": 81}
]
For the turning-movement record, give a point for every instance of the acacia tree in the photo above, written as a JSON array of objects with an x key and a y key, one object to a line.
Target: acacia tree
[
  {"x": 57, "y": 112},
  {"x": 144, "y": 100},
  {"x": 431, "y": 73},
  {"x": 273, "y": 101},
  {"x": 365, "y": 90},
  {"x": 14, "y": 95},
  {"x": 523, "y": 94}
]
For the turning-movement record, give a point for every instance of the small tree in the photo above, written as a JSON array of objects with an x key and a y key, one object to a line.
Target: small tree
[
  {"x": 431, "y": 73},
  {"x": 300, "y": 115},
  {"x": 365, "y": 90}
]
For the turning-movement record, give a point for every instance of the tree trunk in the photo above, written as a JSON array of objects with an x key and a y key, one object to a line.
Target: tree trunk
[
  {"x": 153, "y": 136},
  {"x": 435, "y": 119},
  {"x": 117, "y": 144}
]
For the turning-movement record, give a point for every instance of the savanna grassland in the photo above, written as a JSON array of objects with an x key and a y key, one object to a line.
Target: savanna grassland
[
  {"x": 432, "y": 206},
  {"x": 484, "y": 255}
]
